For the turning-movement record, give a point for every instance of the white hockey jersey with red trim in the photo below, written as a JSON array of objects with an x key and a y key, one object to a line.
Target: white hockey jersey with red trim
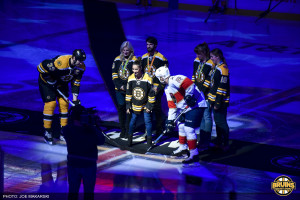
[{"x": 178, "y": 87}]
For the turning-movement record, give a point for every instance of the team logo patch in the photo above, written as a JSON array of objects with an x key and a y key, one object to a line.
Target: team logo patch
[
  {"x": 138, "y": 93},
  {"x": 77, "y": 72},
  {"x": 150, "y": 70},
  {"x": 123, "y": 73},
  {"x": 283, "y": 185},
  {"x": 66, "y": 78},
  {"x": 51, "y": 67},
  {"x": 178, "y": 79},
  {"x": 59, "y": 63}
]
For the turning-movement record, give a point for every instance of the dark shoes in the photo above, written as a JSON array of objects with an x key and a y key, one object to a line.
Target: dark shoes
[
  {"x": 129, "y": 141},
  {"x": 149, "y": 141}
]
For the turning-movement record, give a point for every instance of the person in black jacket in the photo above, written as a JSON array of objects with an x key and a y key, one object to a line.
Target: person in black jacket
[
  {"x": 82, "y": 138},
  {"x": 140, "y": 98},
  {"x": 218, "y": 97},
  {"x": 202, "y": 67},
  {"x": 121, "y": 70},
  {"x": 151, "y": 62}
]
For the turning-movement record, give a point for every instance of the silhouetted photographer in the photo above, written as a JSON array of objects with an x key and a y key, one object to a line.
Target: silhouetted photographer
[{"x": 82, "y": 138}]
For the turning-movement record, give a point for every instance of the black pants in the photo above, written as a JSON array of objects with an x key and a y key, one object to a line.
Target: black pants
[
  {"x": 124, "y": 118},
  {"x": 158, "y": 113},
  {"x": 87, "y": 175},
  {"x": 222, "y": 129}
]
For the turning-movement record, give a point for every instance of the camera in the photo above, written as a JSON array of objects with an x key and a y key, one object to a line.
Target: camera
[{"x": 86, "y": 116}]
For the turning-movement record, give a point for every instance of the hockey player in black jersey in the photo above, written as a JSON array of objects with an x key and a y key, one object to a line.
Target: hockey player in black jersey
[{"x": 57, "y": 73}]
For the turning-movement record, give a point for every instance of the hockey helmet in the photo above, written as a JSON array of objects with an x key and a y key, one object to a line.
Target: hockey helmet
[
  {"x": 79, "y": 54},
  {"x": 162, "y": 73}
]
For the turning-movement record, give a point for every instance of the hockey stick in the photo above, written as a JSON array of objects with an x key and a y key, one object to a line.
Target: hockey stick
[
  {"x": 72, "y": 104},
  {"x": 165, "y": 131},
  {"x": 107, "y": 137},
  {"x": 65, "y": 98}
]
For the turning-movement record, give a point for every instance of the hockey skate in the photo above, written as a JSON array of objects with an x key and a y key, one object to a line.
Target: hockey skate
[
  {"x": 181, "y": 152},
  {"x": 62, "y": 138},
  {"x": 61, "y": 135},
  {"x": 192, "y": 160},
  {"x": 48, "y": 137}
]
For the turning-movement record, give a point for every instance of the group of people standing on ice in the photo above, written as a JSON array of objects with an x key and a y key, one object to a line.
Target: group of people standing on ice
[{"x": 140, "y": 83}]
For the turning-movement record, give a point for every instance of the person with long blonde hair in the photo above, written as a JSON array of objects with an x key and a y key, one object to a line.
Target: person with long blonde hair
[{"x": 121, "y": 70}]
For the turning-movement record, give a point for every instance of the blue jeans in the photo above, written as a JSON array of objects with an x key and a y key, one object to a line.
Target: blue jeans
[
  {"x": 206, "y": 123},
  {"x": 148, "y": 123},
  {"x": 222, "y": 128}
]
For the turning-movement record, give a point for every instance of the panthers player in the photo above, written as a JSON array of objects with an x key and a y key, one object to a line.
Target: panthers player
[
  {"x": 182, "y": 93},
  {"x": 55, "y": 74}
]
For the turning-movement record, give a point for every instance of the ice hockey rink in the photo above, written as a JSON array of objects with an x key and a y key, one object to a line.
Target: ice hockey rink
[{"x": 264, "y": 113}]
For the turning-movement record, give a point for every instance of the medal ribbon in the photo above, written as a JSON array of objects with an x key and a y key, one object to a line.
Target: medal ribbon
[
  {"x": 149, "y": 69},
  {"x": 124, "y": 66},
  {"x": 200, "y": 69},
  {"x": 212, "y": 75}
]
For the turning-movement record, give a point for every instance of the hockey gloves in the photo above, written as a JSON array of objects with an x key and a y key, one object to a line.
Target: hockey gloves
[
  {"x": 191, "y": 101},
  {"x": 77, "y": 102},
  {"x": 170, "y": 126}
]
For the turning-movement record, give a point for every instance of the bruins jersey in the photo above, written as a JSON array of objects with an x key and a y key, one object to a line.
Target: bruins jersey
[
  {"x": 151, "y": 63},
  {"x": 59, "y": 71},
  {"x": 121, "y": 70},
  {"x": 201, "y": 75},
  {"x": 219, "y": 92},
  {"x": 139, "y": 94}
]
